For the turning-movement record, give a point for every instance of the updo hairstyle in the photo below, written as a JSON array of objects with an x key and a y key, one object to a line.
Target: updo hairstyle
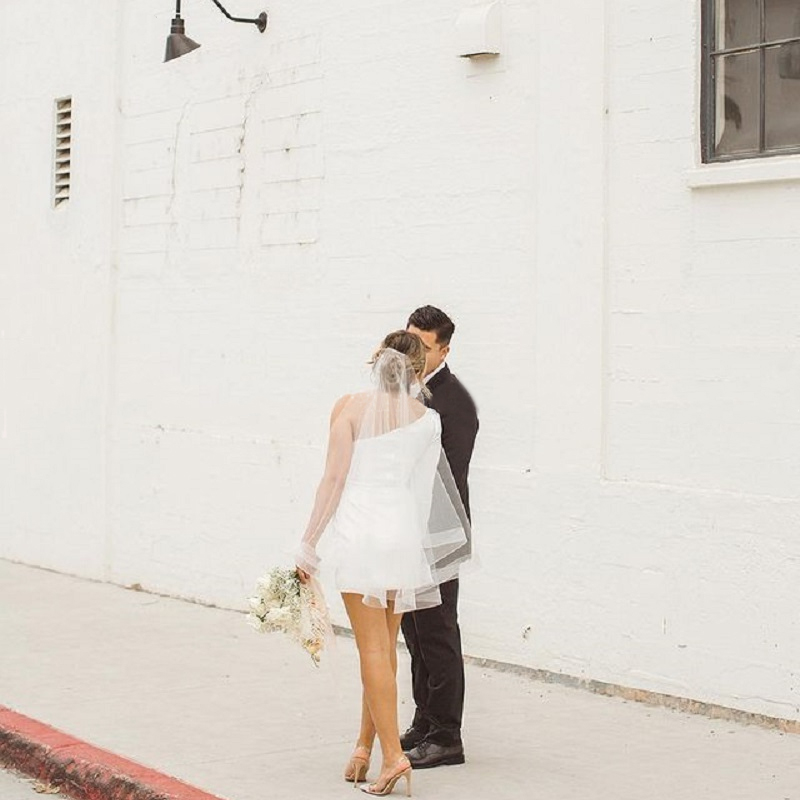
[{"x": 395, "y": 373}]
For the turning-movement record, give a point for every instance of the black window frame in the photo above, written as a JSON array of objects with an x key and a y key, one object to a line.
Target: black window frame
[{"x": 710, "y": 55}]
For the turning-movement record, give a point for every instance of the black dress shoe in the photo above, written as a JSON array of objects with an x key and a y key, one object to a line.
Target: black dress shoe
[
  {"x": 411, "y": 738},
  {"x": 429, "y": 754}
]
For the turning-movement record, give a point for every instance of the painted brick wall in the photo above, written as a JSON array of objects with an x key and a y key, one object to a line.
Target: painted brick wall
[
  {"x": 56, "y": 274},
  {"x": 701, "y": 364},
  {"x": 284, "y": 200}
]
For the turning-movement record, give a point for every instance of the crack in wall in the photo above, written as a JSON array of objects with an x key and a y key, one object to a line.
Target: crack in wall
[
  {"x": 172, "y": 219},
  {"x": 241, "y": 152}
]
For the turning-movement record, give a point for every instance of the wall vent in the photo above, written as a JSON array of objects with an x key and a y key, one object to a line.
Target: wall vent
[{"x": 63, "y": 151}]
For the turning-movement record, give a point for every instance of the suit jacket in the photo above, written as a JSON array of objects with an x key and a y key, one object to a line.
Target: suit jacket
[{"x": 459, "y": 425}]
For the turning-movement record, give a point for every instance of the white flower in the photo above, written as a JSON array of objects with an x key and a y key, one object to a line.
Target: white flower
[
  {"x": 257, "y": 604},
  {"x": 282, "y": 603},
  {"x": 279, "y": 616}
]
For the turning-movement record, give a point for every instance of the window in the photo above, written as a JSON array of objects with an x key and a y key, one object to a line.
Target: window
[
  {"x": 63, "y": 151},
  {"x": 751, "y": 78}
]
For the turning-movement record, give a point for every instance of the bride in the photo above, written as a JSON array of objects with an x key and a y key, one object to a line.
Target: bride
[{"x": 397, "y": 530}]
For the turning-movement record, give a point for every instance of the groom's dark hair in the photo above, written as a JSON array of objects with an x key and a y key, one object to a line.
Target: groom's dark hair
[{"x": 430, "y": 318}]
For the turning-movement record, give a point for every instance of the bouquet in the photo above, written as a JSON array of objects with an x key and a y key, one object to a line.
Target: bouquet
[{"x": 283, "y": 603}]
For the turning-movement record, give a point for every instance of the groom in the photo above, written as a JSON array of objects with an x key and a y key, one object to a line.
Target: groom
[{"x": 432, "y": 635}]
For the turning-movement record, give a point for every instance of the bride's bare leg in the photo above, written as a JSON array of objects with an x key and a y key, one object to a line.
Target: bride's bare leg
[
  {"x": 393, "y": 624},
  {"x": 366, "y": 734},
  {"x": 375, "y": 651}
]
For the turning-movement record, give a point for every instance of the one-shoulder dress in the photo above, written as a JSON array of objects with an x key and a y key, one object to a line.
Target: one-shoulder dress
[{"x": 379, "y": 540}]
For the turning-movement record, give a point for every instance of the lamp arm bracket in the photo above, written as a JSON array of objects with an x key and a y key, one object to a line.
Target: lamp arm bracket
[{"x": 260, "y": 21}]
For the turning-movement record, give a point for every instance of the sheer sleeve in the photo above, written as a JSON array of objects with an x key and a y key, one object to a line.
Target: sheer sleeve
[{"x": 329, "y": 491}]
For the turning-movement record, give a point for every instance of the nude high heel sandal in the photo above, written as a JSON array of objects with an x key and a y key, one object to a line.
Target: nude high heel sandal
[
  {"x": 358, "y": 765},
  {"x": 402, "y": 769}
]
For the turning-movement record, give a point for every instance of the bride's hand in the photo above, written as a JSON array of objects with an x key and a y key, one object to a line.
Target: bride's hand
[{"x": 303, "y": 575}]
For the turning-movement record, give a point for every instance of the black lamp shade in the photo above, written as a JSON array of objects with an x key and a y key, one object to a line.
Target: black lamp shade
[{"x": 178, "y": 43}]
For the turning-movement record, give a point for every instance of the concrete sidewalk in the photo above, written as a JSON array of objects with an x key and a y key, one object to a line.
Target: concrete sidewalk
[{"x": 193, "y": 692}]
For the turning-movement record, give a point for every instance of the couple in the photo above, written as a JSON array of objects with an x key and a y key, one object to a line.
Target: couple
[{"x": 395, "y": 492}]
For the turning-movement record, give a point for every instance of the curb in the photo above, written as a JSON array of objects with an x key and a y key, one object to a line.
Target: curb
[{"x": 79, "y": 769}]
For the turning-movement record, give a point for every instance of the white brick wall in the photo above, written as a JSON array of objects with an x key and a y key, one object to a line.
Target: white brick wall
[
  {"x": 56, "y": 312},
  {"x": 284, "y": 200}
]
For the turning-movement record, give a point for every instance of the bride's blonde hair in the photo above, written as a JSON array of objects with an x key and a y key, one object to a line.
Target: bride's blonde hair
[{"x": 411, "y": 346}]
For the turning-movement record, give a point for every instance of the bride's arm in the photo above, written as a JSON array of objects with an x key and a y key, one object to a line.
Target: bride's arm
[{"x": 329, "y": 491}]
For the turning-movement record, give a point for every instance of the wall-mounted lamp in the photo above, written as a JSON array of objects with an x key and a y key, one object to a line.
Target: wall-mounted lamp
[{"x": 178, "y": 43}]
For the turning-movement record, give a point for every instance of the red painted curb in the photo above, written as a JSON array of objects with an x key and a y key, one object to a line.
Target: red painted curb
[{"x": 81, "y": 770}]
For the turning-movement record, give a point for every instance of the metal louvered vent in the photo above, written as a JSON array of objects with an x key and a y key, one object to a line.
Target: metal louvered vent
[{"x": 63, "y": 151}]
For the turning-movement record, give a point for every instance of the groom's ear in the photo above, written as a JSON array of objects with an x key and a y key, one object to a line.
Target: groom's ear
[{"x": 445, "y": 350}]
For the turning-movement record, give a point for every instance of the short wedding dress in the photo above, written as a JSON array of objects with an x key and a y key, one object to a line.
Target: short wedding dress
[
  {"x": 378, "y": 537},
  {"x": 397, "y": 529}
]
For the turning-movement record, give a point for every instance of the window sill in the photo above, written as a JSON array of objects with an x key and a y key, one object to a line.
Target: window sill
[{"x": 774, "y": 169}]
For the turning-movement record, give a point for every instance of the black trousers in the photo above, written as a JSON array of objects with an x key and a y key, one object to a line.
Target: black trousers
[{"x": 437, "y": 667}]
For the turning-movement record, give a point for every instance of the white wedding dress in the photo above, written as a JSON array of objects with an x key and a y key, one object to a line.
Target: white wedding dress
[
  {"x": 378, "y": 537},
  {"x": 396, "y": 529}
]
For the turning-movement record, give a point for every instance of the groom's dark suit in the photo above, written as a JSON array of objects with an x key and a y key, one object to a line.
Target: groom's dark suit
[{"x": 432, "y": 635}]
